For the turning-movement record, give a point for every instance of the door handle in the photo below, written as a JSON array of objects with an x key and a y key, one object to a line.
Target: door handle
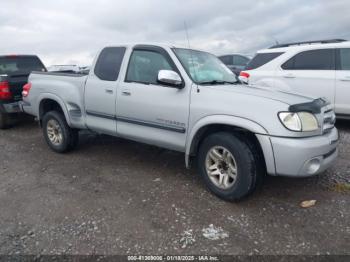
[
  {"x": 109, "y": 91},
  {"x": 126, "y": 93},
  {"x": 289, "y": 76}
]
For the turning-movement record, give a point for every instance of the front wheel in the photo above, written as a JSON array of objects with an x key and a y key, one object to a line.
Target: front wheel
[
  {"x": 58, "y": 135},
  {"x": 228, "y": 165}
]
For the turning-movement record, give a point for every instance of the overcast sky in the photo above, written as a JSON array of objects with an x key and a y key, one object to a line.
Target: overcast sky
[{"x": 62, "y": 31}]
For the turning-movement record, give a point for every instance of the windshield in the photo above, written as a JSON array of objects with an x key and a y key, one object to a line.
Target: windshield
[
  {"x": 20, "y": 64},
  {"x": 204, "y": 68}
]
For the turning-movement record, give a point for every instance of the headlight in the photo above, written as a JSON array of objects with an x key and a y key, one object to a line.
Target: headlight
[
  {"x": 302, "y": 121},
  {"x": 308, "y": 121}
]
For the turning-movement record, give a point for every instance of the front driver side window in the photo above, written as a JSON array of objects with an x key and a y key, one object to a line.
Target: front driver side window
[{"x": 144, "y": 66}]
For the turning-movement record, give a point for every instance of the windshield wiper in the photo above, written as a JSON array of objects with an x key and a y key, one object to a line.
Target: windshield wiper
[{"x": 217, "y": 82}]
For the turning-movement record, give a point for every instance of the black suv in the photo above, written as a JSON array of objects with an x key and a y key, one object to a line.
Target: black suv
[{"x": 14, "y": 72}]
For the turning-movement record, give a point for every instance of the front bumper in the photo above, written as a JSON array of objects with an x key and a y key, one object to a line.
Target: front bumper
[{"x": 302, "y": 157}]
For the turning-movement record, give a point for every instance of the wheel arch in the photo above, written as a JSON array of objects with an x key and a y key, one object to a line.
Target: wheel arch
[
  {"x": 51, "y": 102},
  {"x": 219, "y": 123}
]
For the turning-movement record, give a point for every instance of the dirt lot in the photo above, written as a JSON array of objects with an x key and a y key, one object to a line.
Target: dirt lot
[{"x": 112, "y": 196}]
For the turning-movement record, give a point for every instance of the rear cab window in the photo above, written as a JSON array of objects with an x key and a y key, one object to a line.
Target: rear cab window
[
  {"x": 321, "y": 59},
  {"x": 261, "y": 59},
  {"x": 109, "y": 62},
  {"x": 10, "y": 65}
]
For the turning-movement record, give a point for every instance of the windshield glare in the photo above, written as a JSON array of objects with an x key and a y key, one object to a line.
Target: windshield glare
[{"x": 203, "y": 67}]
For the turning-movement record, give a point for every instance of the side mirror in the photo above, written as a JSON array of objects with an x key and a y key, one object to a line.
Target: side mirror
[{"x": 169, "y": 77}]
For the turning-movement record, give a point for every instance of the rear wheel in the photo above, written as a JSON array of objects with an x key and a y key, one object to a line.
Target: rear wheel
[
  {"x": 58, "y": 135},
  {"x": 228, "y": 165},
  {"x": 4, "y": 120}
]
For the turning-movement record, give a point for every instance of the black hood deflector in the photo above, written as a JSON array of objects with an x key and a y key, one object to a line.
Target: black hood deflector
[{"x": 313, "y": 107}]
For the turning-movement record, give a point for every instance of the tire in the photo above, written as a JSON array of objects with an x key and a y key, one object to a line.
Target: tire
[
  {"x": 243, "y": 165},
  {"x": 58, "y": 135},
  {"x": 4, "y": 121}
]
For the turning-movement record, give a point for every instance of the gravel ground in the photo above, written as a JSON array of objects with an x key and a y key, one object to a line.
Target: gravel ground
[{"x": 112, "y": 196}]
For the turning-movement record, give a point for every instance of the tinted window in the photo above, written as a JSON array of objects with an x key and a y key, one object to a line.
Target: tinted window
[
  {"x": 240, "y": 60},
  {"x": 345, "y": 59},
  {"x": 227, "y": 59},
  {"x": 109, "y": 62},
  {"x": 323, "y": 59},
  {"x": 261, "y": 59},
  {"x": 24, "y": 64},
  {"x": 144, "y": 66},
  {"x": 289, "y": 65}
]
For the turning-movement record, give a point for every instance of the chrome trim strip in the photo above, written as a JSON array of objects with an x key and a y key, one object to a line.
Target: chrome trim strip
[{"x": 138, "y": 122}]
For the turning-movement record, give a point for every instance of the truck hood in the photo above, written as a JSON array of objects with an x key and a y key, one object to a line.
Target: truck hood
[{"x": 281, "y": 96}]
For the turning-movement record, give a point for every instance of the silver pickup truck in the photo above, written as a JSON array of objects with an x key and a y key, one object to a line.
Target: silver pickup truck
[{"x": 189, "y": 101}]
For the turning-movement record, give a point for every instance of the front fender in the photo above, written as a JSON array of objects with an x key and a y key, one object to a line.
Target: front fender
[{"x": 229, "y": 120}]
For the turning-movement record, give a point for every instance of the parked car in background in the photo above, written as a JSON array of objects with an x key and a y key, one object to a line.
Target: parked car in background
[
  {"x": 235, "y": 62},
  {"x": 14, "y": 72},
  {"x": 157, "y": 95},
  {"x": 316, "y": 68}
]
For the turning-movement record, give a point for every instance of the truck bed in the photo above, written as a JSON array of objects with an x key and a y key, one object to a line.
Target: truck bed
[{"x": 66, "y": 88}]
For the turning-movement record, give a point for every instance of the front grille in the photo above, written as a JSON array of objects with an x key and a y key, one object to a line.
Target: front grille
[{"x": 328, "y": 119}]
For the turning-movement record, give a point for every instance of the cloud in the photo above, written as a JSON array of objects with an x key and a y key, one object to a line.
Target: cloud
[{"x": 73, "y": 31}]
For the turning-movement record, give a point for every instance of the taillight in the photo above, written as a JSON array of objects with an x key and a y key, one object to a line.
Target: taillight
[
  {"x": 244, "y": 77},
  {"x": 26, "y": 89},
  {"x": 244, "y": 74},
  {"x": 5, "y": 90}
]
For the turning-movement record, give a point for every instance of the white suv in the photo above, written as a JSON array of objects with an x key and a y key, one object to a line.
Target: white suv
[{"x": 315, "y": 68}]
